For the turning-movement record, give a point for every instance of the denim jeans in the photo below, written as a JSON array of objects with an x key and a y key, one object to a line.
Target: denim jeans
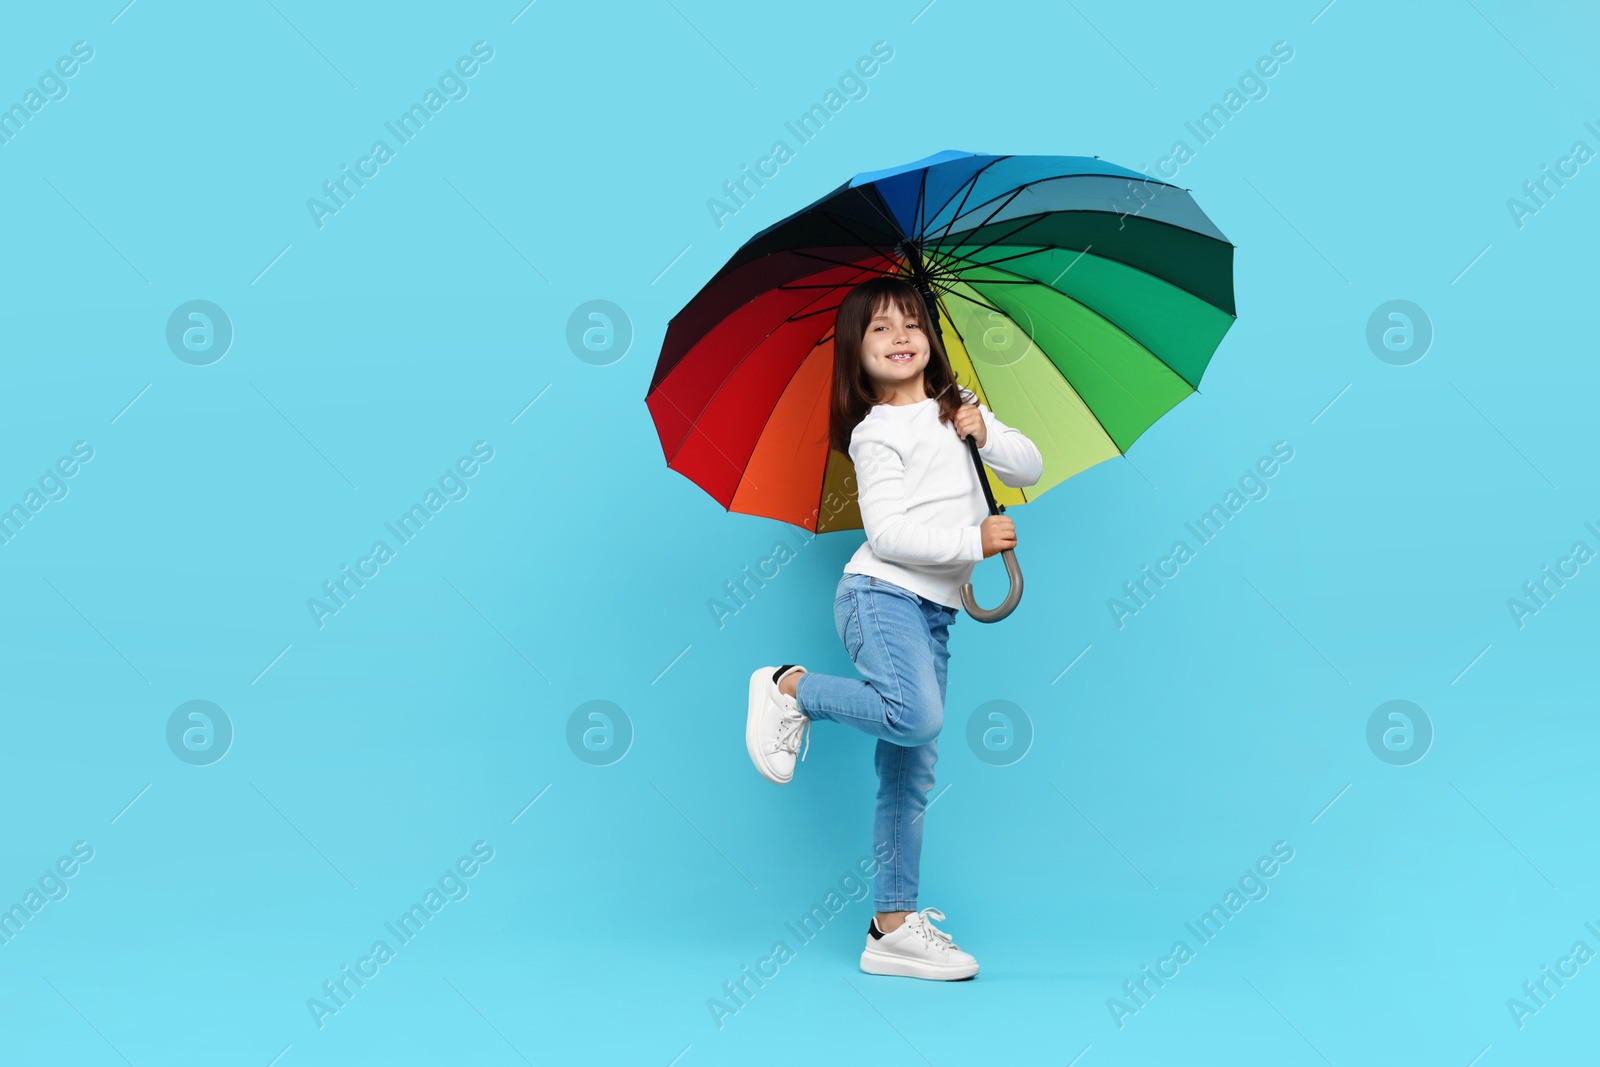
[{"x": 898, "y": 643}]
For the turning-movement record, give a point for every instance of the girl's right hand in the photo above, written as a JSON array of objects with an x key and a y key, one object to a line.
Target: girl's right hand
[{"x": 998, "y": 534}]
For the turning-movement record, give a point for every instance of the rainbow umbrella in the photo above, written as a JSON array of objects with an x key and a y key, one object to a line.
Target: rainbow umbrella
[{"x": 1080, "y": 300}]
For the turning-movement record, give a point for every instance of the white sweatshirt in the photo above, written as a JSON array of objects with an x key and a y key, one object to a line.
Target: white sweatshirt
[{"x": 921, "y": 502}]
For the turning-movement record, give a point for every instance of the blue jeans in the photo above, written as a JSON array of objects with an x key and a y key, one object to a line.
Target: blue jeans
[{"x": 898, "y": 642}]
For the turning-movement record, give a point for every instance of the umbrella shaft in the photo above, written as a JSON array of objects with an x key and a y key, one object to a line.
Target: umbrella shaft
[{"x": 921, "y": 281}]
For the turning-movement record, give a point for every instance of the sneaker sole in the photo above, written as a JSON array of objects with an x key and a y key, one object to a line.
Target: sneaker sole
[
  {"x": 899, "y": 966},
  {"x": 752, "y": 723}
]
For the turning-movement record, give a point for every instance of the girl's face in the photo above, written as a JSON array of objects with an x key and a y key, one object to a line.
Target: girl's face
[{"x": 895, "y": 349}]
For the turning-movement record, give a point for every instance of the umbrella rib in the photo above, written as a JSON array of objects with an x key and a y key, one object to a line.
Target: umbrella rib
[
  {"x": 886, "y": 253},
  {"x": 1149, "y": 274},
  {"x": 940, "y": 261},
  {"x": 1005, "y": 281},
  {"x": 921, "y": 216},
  {"x": 948, "y": 264},
  {"x": 822, "y": 484},
  {"x": 695, "y": 426},
  {"x": 768, "y": 422},
  {"x": 894, "y": 226},
  {"x": 1005, "y": 202},
  {"x": 694, "y": 423},
  {"x": 1095, "y": 311},
  {"x": 1002, "y": 203},
  {"x": 1103, "y": 317},
  {"x": 971, "y": 184},
  {"x": 978, "y": 380},
  {"x": 1059, "y": 374},
  {"x": 980, "y": 303},
  {"x": 826, "y": 259},
  {"x": 1012, "y": 195},
  {"x": 1007, "y": 198},
  {"x": 812, "y": 314},
  {"x": 952, "y": 257},
  {"x": 1014, "y": 255},
  {"x": 1032, "y": 220}
]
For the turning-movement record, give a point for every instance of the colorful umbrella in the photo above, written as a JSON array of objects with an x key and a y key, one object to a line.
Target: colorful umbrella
[{"x": 1080, "y": 300}]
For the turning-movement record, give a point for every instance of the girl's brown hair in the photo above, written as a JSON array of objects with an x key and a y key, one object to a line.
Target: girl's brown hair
[{"x": 853, "y": 392}]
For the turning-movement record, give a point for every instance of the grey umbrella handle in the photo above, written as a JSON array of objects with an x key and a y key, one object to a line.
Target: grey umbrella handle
[{"x": 1013, "y": 596}]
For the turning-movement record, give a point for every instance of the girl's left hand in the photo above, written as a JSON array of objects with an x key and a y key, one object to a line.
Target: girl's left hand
[{"x": 969, "y": 423}]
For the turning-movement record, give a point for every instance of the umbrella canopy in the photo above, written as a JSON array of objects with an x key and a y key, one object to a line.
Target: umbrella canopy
[{"x": 1080, "y": 300}]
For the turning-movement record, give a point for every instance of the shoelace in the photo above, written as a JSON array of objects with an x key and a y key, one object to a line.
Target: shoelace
[
  {"x": 929, "y": 932},
  {"x": 790, "y": 729}
]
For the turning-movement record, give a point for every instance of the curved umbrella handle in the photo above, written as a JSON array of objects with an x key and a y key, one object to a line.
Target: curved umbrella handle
[{"x": 1013, "y": 596}]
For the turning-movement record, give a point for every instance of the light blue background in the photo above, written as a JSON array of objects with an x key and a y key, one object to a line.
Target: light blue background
[{"x": 433, "y": 709}]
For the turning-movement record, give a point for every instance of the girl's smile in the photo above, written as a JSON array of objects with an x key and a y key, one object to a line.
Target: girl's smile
[{"x": 894, "y": 353}]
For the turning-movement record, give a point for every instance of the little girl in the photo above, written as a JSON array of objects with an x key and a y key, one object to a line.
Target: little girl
[{"x": 896, "y": 412}]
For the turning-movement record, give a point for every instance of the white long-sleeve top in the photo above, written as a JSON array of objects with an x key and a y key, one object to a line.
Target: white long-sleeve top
[{"x": 921, "y": 502}]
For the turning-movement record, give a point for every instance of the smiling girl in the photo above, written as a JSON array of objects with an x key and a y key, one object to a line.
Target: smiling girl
[{"x": 898, "y": 413}]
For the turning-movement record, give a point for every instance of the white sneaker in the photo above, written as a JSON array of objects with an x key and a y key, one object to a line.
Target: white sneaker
[
  {"x": 917, "y": 949},
  {"x": 774, "y": 726}
]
